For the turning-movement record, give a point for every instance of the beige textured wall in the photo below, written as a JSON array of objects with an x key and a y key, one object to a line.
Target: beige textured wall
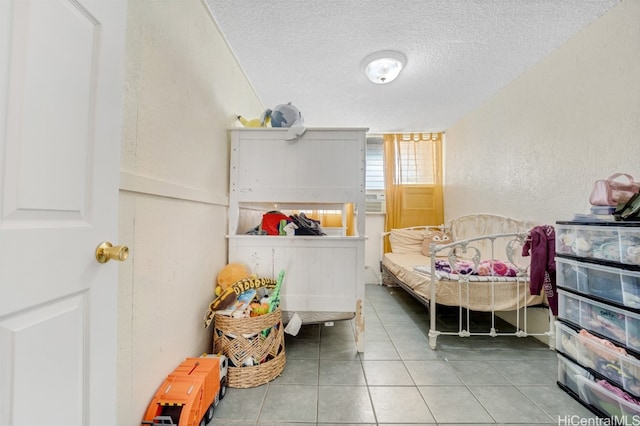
[
  {"x": 535, "y": 148},
  {"x": 183, "y": 90}
]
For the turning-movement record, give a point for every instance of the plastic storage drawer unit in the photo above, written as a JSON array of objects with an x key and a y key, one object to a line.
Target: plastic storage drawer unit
[
  {"x": 601, "y": 356},
  {"x": 614, "y": 404},
  {"x": 567, "y": 274},
  {"x": 608, "y": 321},
  {"x": 599, "y": 241},
  {"x": 567, "y": 372},
  {"x": 613, "y": 284}
]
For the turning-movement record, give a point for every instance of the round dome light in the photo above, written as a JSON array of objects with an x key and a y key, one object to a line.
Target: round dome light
[{"x": 383, "y": 67}]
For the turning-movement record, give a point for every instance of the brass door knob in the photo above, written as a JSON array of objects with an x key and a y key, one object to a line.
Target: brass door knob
[{"x": 107, "y": 251}]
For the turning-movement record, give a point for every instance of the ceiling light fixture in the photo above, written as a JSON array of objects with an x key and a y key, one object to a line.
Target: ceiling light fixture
[{"x": 383, "y": 67}]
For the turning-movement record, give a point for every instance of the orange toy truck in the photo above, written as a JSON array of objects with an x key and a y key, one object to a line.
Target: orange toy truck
[{"x": 189, "y": 395}]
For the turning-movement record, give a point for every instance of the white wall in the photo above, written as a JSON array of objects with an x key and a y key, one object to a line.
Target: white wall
[
  {"x": 374, "y": 227},
  {"x": 183, "y": 90},
  {"x": 534, "y": 149}
]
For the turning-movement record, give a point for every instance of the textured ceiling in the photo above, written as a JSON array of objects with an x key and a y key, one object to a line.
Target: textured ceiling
[{"x": 459, "y": 53}]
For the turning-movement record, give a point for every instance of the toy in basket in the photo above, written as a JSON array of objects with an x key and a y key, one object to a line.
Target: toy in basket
[{"x": 253, "y": 342}]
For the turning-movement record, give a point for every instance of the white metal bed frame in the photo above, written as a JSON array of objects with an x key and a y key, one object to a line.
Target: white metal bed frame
[
  {"x": 453, "y": 252},
  {"x": 459, "y": 250}
]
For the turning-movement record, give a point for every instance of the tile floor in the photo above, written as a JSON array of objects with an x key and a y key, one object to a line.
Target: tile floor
[{"x": 399, "y": 379}]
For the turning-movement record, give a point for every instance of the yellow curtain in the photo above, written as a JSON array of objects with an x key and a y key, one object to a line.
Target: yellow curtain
[{"x": 413, "y": 180}]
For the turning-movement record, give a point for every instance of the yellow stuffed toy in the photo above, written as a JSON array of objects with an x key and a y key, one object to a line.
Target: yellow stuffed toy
[
  {"x": 254, "y": 122},
  {"x": 230, "y": 274}
]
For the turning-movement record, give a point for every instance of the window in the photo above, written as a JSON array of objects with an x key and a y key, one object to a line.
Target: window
[
  {"x": 413, "y": 179},
  {"x": 375, "y": 165},
  {"x": 375, "y": 199},
  {"x": 417, "y": 162}
]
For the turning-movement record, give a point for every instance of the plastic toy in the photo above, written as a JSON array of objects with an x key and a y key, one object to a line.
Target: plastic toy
[
  {"x": 240, "y": 308},
  {"x": 274, "y": 299},
  {"x": 189, "y": 395}
]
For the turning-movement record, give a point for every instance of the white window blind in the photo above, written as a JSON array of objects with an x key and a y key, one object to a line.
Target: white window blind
[{"x": 375, "y": 164}]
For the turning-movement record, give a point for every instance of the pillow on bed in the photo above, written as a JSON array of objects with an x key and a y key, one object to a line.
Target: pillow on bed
[
  {"x": 406, "y": 240},
  {"x": 436, "y": 237}
]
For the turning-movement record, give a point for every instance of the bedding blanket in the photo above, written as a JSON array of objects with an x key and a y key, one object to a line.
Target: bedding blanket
[
  {"x": 502, "y": 272},
  {"x": 485, "y": 268},
  {"x": 506, "y": 295}
]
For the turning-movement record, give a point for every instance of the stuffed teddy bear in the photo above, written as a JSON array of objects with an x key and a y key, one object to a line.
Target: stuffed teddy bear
[{"x": 230, "y": 274}]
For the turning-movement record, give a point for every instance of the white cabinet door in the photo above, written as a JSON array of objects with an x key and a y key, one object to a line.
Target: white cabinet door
[{"x": 61, "y": 74}]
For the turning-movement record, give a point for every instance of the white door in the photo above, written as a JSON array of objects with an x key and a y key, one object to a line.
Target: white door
[{"x": 61, "y": 73}]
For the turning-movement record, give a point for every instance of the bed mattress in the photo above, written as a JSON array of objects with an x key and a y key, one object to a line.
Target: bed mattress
[{"x": 482, "y": 296}]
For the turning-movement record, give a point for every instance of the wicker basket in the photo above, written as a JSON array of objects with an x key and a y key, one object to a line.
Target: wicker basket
[{"x": 257, "y": 338}]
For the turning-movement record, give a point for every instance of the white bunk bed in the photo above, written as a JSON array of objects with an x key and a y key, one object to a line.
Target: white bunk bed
[{"x": 322, "y": 169}]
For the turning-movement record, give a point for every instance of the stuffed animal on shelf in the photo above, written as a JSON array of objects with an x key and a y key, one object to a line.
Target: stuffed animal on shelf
[
  {"x": 283, "y": 115},
  {"x": 255, "y": 122}
]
